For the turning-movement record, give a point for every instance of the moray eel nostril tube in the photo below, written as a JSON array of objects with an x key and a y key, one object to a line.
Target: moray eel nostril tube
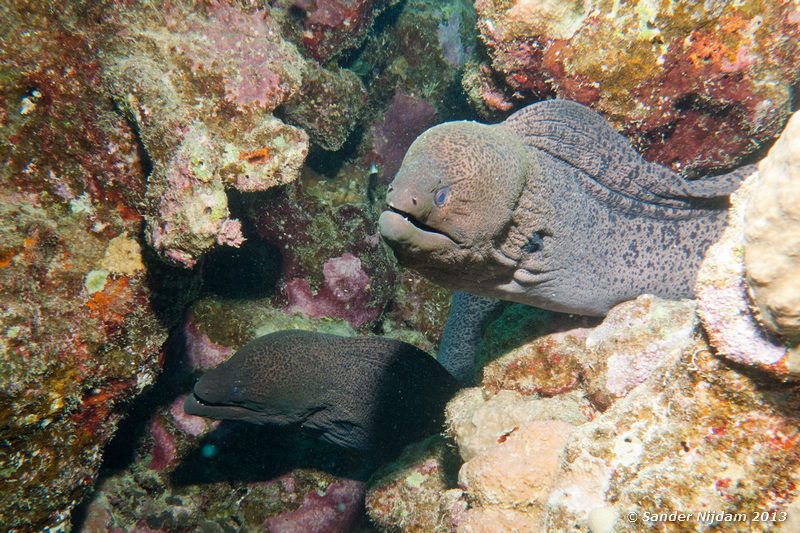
[
  {"x": 551, "y": 208},
  {"x": 359, "y": 393}
]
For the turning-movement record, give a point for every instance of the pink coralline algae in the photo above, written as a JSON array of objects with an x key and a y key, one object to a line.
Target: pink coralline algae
[
  {"x": 333, "y": 26},
  {"x": 346, "y": 293},
  {"x": 696, "y": 86},
  {"x": 328, "y": 248},
  {"x": 201, "y": 352},
  {"x": 192, "y": 425},
  {"x": 404, "y": 120},
  {"x": 236, "y": 64},
  {"x": 334, "y": 510},
  {"x": 163, "y": 452},
  {"x": 260, "y": 69}
]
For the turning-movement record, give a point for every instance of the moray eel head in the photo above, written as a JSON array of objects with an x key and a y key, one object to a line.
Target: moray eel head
[
  {"x": 254, "y": 386},
  {"x": 456, "y": 190}
]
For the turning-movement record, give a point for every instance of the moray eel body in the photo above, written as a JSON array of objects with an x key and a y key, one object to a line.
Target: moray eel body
[
  {"x": 551, "y": 208},
  {"x": 466, "y": 321},
  {"x": 359, "y": 393}
]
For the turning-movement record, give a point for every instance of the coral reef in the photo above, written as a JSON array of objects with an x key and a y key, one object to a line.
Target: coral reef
[
  {"x": 420, "y": 55},
  {"x": 772, "y": 236},
  {"x": 336, "y": 509},
  {"x": 331, "y": 27},
  {"x": 81, "y": 320},
  {"x": 685, "y": 433},
  {"x": 345, "y": 294},
  {"x": 339, "y": 93},
  {"x": 333, "y": 263},
  {"x": 203, "y": 85},
  {"x": 218, "y": 102},
  {"x": 695, "y": 86},
  {"x": 239, "y": 67},
  {"x": 187, "y": 472},
  {"x": 405, "y": 495},
  {"x": 724, "y": 305},
  {"x": 404, "y": 120}
]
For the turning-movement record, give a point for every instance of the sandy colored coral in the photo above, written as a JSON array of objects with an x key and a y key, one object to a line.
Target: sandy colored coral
[
  {"x": 772, "y": 235},
  {"x": 477, "y": 424},
  {"x": 723, "y": 303},
  {"x": 691, "y": 434},
  {"x": 519, "y": 471}
]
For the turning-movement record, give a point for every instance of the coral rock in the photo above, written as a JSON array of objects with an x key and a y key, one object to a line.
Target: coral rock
[
  {"x": 333, "y": 26},
  {"x": 405, "y": 119},
  {"x": 346, "y": 293},
  {"x": 690, "y": 434},
  {"x": 239, "y": 68},
  {"x": 518, "y": 472},
  {"x": 332, "y": 103},
  {"x": 331, "y": 261},
  {"x": 772, "y": 235},
  {"x": 696, "y": 86},
  {"x": 335, "y": 510},
  {"x": 723, "y": 303},
  {"x": 81, "y": 328},
  {"x": 405, "y": 495},
  {"x": 635, "y": 338},
  {"x": 477, "y": 425}
]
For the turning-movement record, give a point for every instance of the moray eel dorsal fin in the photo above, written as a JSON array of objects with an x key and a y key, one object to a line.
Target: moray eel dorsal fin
[
  {"x": 566, "y": 130},
  {"x": 360, "y": 393}
]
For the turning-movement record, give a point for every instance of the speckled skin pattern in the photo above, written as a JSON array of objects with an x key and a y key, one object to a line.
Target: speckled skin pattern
[
  {"x": 359, "y": 393},
  {"x": 551, "y": 208},
  {"x": 469, "y": 314}
]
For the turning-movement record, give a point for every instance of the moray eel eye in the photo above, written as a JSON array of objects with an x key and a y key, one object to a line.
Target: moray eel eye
[{"x": 441, "y": 196}]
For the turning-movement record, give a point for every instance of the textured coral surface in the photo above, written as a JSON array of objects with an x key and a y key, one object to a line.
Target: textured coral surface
[
  {"x": 696, "y": 85},
  {"x": 726, "y": 309},
  {"x": 79, "y": 326},
  {"x": 772, "y": 249},
  {"x": 686, "y": 433}
]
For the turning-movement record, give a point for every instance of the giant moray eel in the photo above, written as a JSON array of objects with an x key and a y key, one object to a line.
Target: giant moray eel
[
  {"x": 359, "y": 393},
  {"x": 551, "y": 208}
]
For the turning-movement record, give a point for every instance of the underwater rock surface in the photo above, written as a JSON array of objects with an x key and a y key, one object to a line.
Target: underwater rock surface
[
  {"x": 201, "y": 86},
  {"x": 82, "y": 322},
  {"x": 695, "y": 86},
  {"x": 772, "y": 236},
  {"x": 748, "y": 314},
  {"x": 687, "y": 433}
]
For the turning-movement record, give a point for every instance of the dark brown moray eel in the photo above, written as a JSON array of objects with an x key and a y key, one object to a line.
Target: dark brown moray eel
[
  {"x": 551, "y": 208},
  {"x": 359, "y": 393}
]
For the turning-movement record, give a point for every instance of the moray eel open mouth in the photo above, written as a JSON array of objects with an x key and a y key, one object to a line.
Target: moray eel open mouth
[
  {"x": 399, "y": 227},
  {"x": 195, "y": 405}
]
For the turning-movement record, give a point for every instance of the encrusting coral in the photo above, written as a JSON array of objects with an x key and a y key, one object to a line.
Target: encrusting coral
[
  {"x": 748, "y": 284},
  {"x": 695, "y": 85},
  {"x": 202, "y": 85},
  {"x": 690, "y": 434},
  {"x": 772, "y": 236}
]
